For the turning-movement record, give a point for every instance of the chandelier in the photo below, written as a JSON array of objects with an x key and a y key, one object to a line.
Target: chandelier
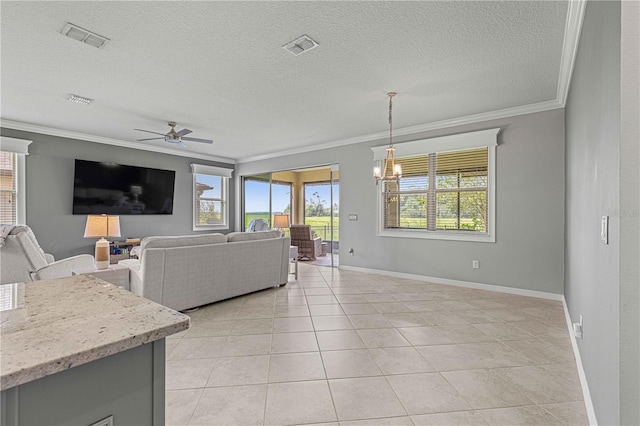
[{"x": 390, "y": 166}]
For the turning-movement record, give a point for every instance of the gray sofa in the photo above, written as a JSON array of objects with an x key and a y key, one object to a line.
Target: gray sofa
[{"x": 184, "y": 272}]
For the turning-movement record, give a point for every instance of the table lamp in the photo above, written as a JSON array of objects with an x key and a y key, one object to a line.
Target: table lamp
[
  {"x": 100, "y": 227},
  {"x": 136, "y": 190},
  {"x": 281, "y": 221}
]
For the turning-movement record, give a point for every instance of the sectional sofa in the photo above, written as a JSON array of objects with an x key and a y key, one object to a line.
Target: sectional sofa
[{"x": 184, "y": 272}]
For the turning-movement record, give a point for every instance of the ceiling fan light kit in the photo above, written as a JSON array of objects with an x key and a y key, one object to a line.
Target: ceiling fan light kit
[{"x": 174, "y": 137}]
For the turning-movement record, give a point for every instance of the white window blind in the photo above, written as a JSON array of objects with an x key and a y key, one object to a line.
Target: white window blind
[
  {"x": 8, "y": 187},
  {"x": 12, "y": 180}
]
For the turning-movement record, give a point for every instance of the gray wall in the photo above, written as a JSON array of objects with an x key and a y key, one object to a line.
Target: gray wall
[
  {"x": 529, "y": 248},
  {"x": 592, "y": 191},
  {"x": 50, "y": 169}
]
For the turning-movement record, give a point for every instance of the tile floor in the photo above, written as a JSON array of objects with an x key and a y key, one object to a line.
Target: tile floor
[{"x": 347, "y": 348}]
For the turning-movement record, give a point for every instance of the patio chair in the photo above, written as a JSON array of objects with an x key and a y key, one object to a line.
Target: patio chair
[
  {"x": 258, "y": 225},
  {"x": 308, "y": 247}
]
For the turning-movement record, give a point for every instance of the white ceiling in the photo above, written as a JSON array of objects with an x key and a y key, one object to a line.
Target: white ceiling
[{"x": 219, "y": 69}]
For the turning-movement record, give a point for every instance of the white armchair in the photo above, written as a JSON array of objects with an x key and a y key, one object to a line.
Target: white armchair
[
  {"x": 258, "y": 225},
  {"x": 22, "y": 259}
]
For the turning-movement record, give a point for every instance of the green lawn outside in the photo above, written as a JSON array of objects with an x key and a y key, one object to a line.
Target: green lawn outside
[
  {"x": 319, "y": 224},
  {"x": 441, "y": 223},
  {"x": 248, "y": 217}
]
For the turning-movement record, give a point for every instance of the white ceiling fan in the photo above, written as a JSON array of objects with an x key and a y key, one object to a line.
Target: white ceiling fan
[{"x": 174, "y": 137}]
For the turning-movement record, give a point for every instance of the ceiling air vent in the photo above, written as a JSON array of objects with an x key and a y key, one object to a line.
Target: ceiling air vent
[
  {"x": 85, "y": 36},
  {"x": 79, "y": 99},
  {"x": 300, "y": 45}
]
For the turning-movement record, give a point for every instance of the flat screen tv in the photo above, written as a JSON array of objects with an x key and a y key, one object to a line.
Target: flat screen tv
[{"x": 116, "y": 189}]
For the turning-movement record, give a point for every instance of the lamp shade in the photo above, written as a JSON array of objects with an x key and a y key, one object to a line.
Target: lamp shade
[
  {"x": 136, "y": 189},
  {"x": 280, "y": 220},
  {"x": 102, "y": 226}
]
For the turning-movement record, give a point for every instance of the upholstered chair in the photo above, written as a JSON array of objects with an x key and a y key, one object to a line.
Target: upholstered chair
[
  {"x": 23, "y": 260},
  {"x": 308, "y": 246},
  {"x": 258, "y": 225}
]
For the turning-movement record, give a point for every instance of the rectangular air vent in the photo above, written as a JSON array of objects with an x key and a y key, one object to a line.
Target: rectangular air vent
[
  {"x": 300, "y": 45},
  {"x": 84, "y": 36},
  {"x": 79, "y": 99}
]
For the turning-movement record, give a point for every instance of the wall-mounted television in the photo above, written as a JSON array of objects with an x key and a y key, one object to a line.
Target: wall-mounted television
[{"x": 116, "y": 189}]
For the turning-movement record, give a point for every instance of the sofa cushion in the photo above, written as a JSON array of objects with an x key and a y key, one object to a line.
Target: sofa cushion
[
  {"x": 235, "y": 237},
  {"x": 180, "y": 241}
]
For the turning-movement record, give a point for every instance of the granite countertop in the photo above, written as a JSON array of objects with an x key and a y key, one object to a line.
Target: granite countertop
[{"x": 53, "y": 325}]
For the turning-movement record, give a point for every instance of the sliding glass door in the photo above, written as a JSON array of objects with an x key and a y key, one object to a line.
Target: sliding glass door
[
  {"x": 257, "y": 198},
  {"x": 264, "y": 197},
  {"x": 308, "y": 196}
]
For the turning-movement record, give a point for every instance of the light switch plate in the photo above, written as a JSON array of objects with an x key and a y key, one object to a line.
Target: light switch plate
[
  {"x": 604, "y": 229},
  {"x": 353, "y": 216}
]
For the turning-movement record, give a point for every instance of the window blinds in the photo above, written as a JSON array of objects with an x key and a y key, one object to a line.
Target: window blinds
[
  {"x": 8, "y": 176},
  {"x": 471, "y": 162}
]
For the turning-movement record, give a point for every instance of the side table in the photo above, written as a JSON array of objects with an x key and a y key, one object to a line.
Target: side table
[
  {"x": 293, "y": 258},
  {"x": 114, "y": 274}
]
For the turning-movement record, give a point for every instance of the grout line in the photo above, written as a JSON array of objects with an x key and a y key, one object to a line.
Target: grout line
[
  {"x": 195, "y": 407},
  {"x": 375, "y": 287}
]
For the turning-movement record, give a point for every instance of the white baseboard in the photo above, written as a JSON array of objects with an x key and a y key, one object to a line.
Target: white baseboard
[
  {"x": 458, "y": 283},
  {"x": 591, "y": 412}
]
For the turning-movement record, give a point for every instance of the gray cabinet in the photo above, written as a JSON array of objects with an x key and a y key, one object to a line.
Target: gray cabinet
[{"x": 128, "y": 385}]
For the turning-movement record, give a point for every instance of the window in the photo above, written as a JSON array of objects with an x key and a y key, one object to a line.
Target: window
[
  {"x": 8, "y": 190},
  {"x": 264, "y": 197},
  {"x": 443, "y": 193},
  {"x": 210, "y": 197},
  {"x": 12, "y": 180}
]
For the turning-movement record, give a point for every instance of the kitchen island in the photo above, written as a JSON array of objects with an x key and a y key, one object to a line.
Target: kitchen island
[{"x": 81, "y": 351}]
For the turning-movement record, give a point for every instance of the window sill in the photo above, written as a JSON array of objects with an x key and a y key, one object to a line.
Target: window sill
[
  {"x": 211, "y": 228},
  {"x": 438, "y": 235}
]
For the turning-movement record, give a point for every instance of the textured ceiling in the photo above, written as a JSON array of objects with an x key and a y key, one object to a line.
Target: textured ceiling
[{"x": 218, "y": 67}]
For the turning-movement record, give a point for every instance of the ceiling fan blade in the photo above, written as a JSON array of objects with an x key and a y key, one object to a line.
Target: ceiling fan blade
[
  {"x": 184, "y": 132},
  {"x": 197, "y": 140},
  {"x": 149, "y": 131},
  {"x": 148, "y": 139}
]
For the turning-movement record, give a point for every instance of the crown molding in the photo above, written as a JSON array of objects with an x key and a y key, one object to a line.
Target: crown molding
[
  {"x": 411, "y": 130},
  {"x": 34, "y": 128},
  {"x": 437, "y": 125},
  {"x": 573, "y": 27}
]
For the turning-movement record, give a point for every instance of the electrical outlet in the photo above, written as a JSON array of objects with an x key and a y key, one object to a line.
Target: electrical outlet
[
  {"x": 475, "y": 264},
  {"x": 578, "y": 329},
  {"x": 353, "y": 216}
]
